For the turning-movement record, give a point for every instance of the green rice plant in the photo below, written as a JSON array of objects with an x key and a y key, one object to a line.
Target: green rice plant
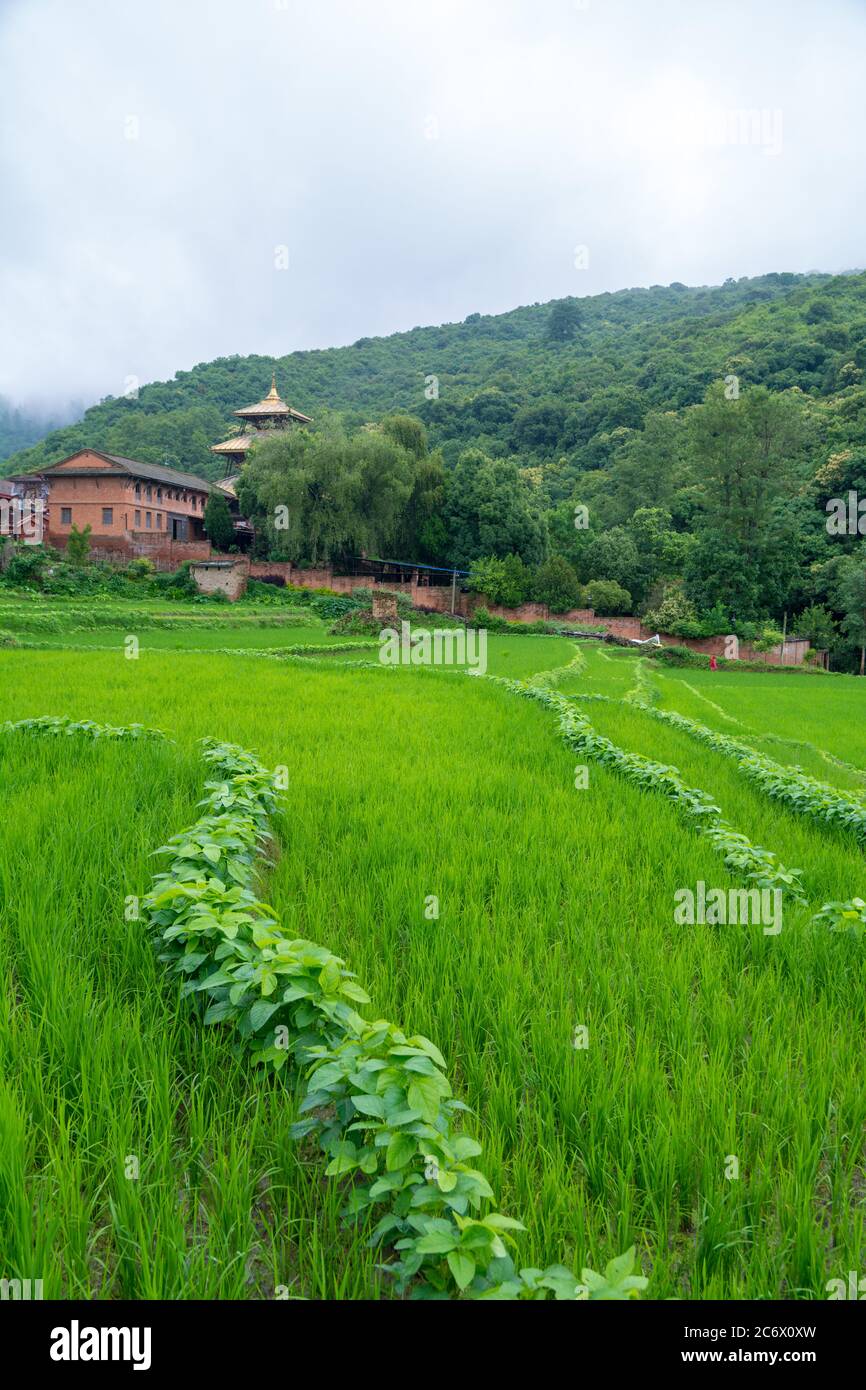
[
  {"x": 761, "y": 867},
  {"x": 382, "y": 1105},
  {"x": 703, "y": 1042},
  {"x": 804, "y": 794}
]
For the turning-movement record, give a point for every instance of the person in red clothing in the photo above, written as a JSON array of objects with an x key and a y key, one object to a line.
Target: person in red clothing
[{"x": 714, "y": 665}]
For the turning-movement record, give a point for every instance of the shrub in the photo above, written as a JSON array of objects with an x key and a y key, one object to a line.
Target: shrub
[
  {"x": 606, "y": 597},
  {"x": 556, "y": 585},
  {"x": 673, "y": 611},
  {"x": 78, "y": 545},
  {"x": 359, "y": 620},
  {"x": 140, "y": 568},
  {"x": 482, "y": 617},
  {"x": 28, "y": 566},
  {"x": 332, "y": 608}
]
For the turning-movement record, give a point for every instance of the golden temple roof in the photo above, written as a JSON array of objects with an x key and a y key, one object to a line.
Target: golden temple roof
[
  {"x": 272, "y": 406},
  {"x": 238, "y": 445}
]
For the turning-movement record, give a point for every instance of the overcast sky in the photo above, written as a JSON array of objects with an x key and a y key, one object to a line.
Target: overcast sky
[{"x": 412, "y": 161}]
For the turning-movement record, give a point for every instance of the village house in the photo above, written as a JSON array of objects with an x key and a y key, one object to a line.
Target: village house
[
  {"x": 146, "y": 509},
  {"x": 132, "y": 508}
]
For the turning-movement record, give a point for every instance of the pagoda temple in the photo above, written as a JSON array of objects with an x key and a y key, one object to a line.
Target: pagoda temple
[{"x": 259, "y": 419}]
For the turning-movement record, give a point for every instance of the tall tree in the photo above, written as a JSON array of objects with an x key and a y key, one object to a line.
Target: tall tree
[
  {"x": 852, "y": 601},
  {"x": 218, "y": 524},
  {"x": 563, "y": 325},
  {"x": 490, "y": 512},
  {"x": 325, "y": 496}
]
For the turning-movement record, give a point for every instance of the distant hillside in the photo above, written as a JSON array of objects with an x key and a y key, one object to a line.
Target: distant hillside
[{"x": 543, "y": 382}]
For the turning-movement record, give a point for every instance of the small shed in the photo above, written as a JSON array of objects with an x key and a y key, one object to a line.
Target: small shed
[{"x": 227, "y": 577}]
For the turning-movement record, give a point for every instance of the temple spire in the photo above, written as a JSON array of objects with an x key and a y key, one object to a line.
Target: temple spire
[{"x": 273, "y": 394}]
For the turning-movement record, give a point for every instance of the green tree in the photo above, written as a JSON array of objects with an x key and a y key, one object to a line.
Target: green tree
[
  {"x": 751, "y": 455},
  {"x": 218, "y": 524},
  {"x": 78, "y": 545},
  {"x": 324, "y": 496},
  {"x": 422, "y": 533},
  {"x": 408, "y": 432},
  {"x": 606, "y": 597},
  {"x": 490, "y": 512},
  {"x": 564, "y": 322},
  {"x": 556, "y": 585},
  {"x": 852, "y": 601},
  {"x": 614, "y": 555},
  {"x": 506, "y": 582},
  {"x": 816, "y": 623}
]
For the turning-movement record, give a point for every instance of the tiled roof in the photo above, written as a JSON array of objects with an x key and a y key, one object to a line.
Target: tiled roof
[
  {"x": 153, "y": 472},
  {"x": 160, "y": 474}
]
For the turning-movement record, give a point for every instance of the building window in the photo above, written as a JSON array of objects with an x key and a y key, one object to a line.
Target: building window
[
  {"x": 149, "y": 493},
  {"x": 148, "y": 521},
  {"x": 159, "y": 494},
  {"x": 138, "y": 491},
  {"x": 159, "y": 521},
  {"x": 108, "y": 516},
  {"x": 65, "y": 516},
  {"x": 138, "y": 519}
]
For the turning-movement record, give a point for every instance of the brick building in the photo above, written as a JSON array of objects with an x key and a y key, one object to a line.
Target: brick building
[
  {"x": 132, "y": 508},
  {"x": 145, "y": 509}
]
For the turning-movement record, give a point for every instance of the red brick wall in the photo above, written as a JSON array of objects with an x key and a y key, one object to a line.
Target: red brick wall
[
  {"x": 165, "y": 554},
  {"x": 86, "y": 497},
  {"x": 425, "y": 596}
]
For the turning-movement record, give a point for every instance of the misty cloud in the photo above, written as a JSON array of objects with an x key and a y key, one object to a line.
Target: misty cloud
[{"x": 412, "y": 163}]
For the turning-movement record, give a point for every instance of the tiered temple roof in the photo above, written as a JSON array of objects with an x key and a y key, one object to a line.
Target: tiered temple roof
[
  {"x": 272, "y": 407},
  {"x": 272, "y": 412}
]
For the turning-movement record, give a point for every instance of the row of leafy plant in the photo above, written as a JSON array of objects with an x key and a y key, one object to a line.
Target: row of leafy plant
[
  {"x": 378, "y": 1101},
  {"x": 848, "y": 916},
  {"x": 806, "y": 795},
  {"x": 60, "y": 726},
  {"x": 760, "y": 867},
  {"x": 547, "y": 680},
  {"x": 33, "y": 619}
]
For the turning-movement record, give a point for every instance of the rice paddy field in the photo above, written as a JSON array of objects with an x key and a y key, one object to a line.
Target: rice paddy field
[{"x": 693, "y": 1091}]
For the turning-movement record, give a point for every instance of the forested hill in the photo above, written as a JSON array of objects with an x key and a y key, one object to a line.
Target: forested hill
[{"x": 543, "y": 382}]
